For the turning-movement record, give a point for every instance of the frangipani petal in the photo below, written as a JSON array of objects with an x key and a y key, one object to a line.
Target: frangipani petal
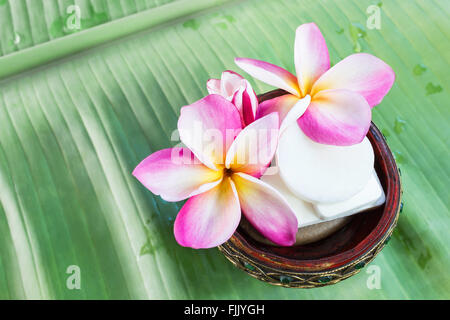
[
  {"x": 336, "y": 117},
  {"x": 253, "y": 149},
  {"x": 296, "y": 112},
  {"x": 266, "y": 209},
  {"x": 310, "y": 55},
  {"x": 176, "y": 174},
  {"x": 362, "y": 73},
  {"x": 230, "y": 82},
  {"x": 213, "y": 86},
  {"x": 282, "y": 105},
  {"x": 270, "y": 74},
  {"x": 246, "y": 102},
  {"x": 209, "y": 219},
  {"x": 208, "y": 127},
  {"x": 288, "y": 107}
]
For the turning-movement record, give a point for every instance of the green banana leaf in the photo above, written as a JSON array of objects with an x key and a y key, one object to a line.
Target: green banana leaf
[
  {"x": 28, "y": 23},
  {"x": 79, "y": 110}
]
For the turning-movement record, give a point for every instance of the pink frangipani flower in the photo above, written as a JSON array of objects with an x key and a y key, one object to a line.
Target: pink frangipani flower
[
  {"x": 239, "y": 91},
  {"x": 341, "y": 97},
  {"x": 220, "y": 178}
]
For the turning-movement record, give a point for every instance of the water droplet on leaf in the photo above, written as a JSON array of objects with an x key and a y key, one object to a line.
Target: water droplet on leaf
[
  {"x": 192, "y": 24},
  {"x": 432, "y": 88},
  {"x": 229, "y": 18},
  {"x": 147, "y": 248},
  {"x": 222, "y": 25},
  {"x": 399, "y": 125},
  {"x": 399, "y": 156},
  {"x": 424, "y": 258},
  {"x": 419, "y": 69},
  {"x": 357, "y": 32}
]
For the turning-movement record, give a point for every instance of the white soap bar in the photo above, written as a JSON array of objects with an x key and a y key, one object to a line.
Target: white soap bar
[
  {"x": 308, "y": 213},
  {"x": 323, "y": 173},
  {"x": 371, "y": 196},
  {"x": 303, "y": 210}
]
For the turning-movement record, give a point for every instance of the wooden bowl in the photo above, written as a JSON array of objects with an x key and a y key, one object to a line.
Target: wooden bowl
[{"x": 339, "y": 255}]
